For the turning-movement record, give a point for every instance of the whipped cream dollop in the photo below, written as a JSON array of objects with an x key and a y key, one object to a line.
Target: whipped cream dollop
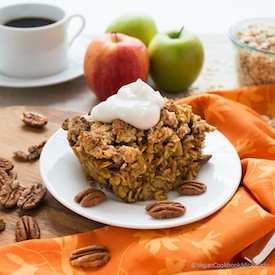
[{"x": 136, "y": 103}]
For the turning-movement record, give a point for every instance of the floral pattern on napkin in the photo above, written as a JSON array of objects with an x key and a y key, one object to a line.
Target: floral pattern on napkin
[{"x": 209, "y": 246}]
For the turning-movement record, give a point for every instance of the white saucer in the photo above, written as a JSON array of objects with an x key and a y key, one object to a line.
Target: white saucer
[{"x": 74, "y": 69}]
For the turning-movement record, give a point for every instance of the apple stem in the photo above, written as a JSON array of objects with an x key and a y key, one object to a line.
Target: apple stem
[
  {"x": 179, "y": 33},
  {"x": 115, "y": 36}
]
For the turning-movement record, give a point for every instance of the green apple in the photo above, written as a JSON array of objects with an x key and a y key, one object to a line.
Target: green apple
[
  {"x": 136, "y": 24},
  {"x": 176, "y": 60}
]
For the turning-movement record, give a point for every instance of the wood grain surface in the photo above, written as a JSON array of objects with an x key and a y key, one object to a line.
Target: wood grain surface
[{"x": 52, "y": 217}]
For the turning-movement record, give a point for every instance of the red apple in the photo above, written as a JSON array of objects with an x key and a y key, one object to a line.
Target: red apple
[{"x": 113, "y": 60}]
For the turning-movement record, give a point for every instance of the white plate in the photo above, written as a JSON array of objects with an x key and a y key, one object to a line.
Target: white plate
[
  {"x": 64, "y": 178},
  {"x": 75, "y": 69}
]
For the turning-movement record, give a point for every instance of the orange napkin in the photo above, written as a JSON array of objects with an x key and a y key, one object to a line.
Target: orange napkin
[{"x": 210, "y": 246}]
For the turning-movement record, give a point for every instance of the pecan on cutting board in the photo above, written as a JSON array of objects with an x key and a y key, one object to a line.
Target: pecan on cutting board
[
  {"x": 26, "y": 228},
  {"x": 32, "y": 196},
  {"x": 10, "y": 193},
  {"x": 34, "y": 119}
]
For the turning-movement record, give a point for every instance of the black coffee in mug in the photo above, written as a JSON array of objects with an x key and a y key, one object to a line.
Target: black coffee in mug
[{"x": 29, "y": 22}]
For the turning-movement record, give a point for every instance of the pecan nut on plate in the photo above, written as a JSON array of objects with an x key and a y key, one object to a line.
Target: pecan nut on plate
[
  {"x": 204, "y": 158},
  {"x": 32, "y": 196},
  {"x": 90, "y": 197},
  {"x": 91, "y": 256},
  {"x": 26, "y": 228},
  {"x": 191, "y": 187},
  {"x": 165, "y": 209},
  {"x": 34, "y": 119}
]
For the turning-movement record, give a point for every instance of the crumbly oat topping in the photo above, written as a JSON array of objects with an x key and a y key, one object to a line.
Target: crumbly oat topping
[{"x": 138, "y": 164}]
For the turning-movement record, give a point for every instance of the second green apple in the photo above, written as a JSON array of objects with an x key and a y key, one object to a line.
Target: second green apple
[
  {"x": 136, "y": 24},
  {"x": 176, "y": 60}
]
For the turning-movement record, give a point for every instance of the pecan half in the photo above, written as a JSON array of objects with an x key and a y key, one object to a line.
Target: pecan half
[
  {"x": 6, "y": 164},
  {"x": 21, "y": 155},
  {"x": 12, "y": 175},
  {"x": 34, "y": 152},
  {"x": 90, "y": 256},
  {"x": 32, "y": 196},
  {"x": 10, "y": 193},
  {"x": 204, "y": 158},
  {"x": 26, "y": 228},
  {"x": 90, "y": 197},
  {"x": 165, "y": 209},
  {"x": 34, "y": 119},
  {"x": 191, "y": 187},
  {"x": 4, "y": 177}
]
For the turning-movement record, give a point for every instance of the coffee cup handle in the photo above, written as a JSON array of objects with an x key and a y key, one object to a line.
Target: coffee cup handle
[{"x": 77, "y": 33}]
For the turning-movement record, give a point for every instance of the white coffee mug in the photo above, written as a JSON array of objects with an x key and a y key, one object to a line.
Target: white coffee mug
[{"x": 37, "y": 51}]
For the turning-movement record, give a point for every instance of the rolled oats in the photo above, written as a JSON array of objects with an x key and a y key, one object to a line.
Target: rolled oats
[{"x": 256, "y": 66}]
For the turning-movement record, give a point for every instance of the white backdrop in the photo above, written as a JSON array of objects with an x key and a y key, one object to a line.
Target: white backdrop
[{"x": 201, "y": 16}]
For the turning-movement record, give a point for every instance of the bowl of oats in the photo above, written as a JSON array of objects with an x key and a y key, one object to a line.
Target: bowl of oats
[{"x": 254, "y": 49}]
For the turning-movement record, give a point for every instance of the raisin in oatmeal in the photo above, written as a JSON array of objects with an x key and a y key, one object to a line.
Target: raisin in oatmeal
[{"x": 135, "y": 164}]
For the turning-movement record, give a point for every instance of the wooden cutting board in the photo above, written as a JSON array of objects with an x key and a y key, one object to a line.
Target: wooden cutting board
[{"x": 52, "y": 217}]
